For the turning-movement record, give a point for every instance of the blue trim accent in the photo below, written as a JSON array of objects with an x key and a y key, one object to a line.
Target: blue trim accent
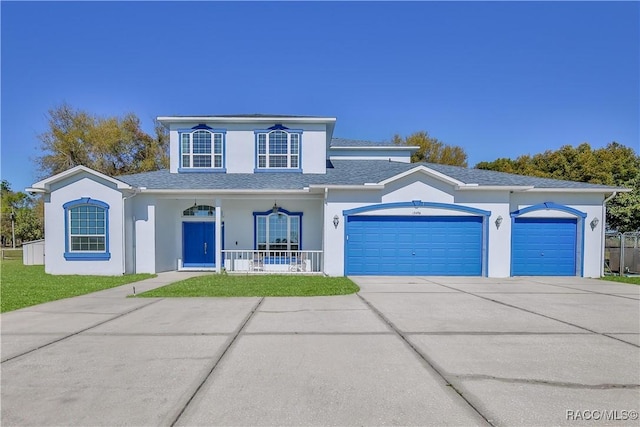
[
  {"x": 269, "y": 212},
  {"x": 548, "y": 206},
  {"x": 580, "y": 259},
  {"x": 191, "y": 130},
  {"x": 200, "y": 170},
  {"x": 485, "y": 246},
  {"x": 190, "y": 169},
  {"x": 269, "y": 130},
  {"x": 278, "y": 126},
  {"x": 86, "y": 256},
  {"x": 201, "y": 126},
  {"x": 86, "y": 201},
  {"x": 416, "y": 203},
  {"x": 272, "y": 170}
]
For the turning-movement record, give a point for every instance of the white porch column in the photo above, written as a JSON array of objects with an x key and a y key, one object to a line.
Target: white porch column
[{"x": 218, "y": 242}]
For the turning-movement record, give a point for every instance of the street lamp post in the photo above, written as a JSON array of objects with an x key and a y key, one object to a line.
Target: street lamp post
[{"x": 13, "y": 229}]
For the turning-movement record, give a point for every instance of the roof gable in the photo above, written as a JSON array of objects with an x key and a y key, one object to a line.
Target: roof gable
[{"x": 44, "y": 185}]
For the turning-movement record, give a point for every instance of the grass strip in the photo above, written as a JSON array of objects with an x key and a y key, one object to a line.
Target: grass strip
[
  {"x": 221, "y": 285},
  {"x": 623, "y": 279},
  {"x": 27, "y": 285}
]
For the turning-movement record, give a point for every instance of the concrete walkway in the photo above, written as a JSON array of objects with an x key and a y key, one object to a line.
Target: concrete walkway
[{"x": 404, "y": 351}]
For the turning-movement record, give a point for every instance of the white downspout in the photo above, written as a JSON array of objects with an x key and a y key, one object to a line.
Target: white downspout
[
  {"x": 324, "y": 231},
  {"x": 604, "y": 226},
  {"x": 124, "y": 238},
  {"x": 217, "y": 257}
]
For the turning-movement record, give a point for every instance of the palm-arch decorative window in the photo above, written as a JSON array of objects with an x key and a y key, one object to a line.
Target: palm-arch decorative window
[
  {"x": 278, "y": 148},
  {"x": 277, "y": 230},
  {"x": 199, "y": 211},
  {"x": 202, "y": 148},
  {"x": 86, "y": 225}
]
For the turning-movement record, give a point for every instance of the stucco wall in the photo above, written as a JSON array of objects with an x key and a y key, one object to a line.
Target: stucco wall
[
  {"x": 499, "y": 203},
  {"x": 73, "y": 188},
  {"x": 240, "y": 146},
  {"x": 159, "y": 246}
]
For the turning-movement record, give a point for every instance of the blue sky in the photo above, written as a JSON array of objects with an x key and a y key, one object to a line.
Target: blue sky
[{"x": 500, "y": 79}]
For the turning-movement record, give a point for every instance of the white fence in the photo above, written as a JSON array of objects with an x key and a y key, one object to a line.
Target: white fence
[{"x": 276, "y": 262}]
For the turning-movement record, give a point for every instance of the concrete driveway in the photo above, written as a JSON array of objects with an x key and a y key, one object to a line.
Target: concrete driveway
[{"x": 404, "y": 351}]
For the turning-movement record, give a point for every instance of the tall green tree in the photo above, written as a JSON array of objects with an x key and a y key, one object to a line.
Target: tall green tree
[
  {"x": 614, "y": 165},
  {"x": 28, "y": 215},
  {"x": 432, "y": 150},
  {"x": 111, "y": 145}
]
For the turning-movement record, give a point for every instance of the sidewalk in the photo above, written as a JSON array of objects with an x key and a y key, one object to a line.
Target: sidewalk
[{"x": 37, "y": 326}]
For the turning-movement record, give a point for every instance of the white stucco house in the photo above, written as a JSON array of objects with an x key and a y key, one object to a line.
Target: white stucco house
[{"x": 268, "y": 193}]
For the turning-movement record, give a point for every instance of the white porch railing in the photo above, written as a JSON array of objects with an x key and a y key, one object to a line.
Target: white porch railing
[{"x": 276, "y": 262}]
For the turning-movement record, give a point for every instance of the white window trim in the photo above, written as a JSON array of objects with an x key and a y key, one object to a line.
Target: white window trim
[
  {"x": 267, "y": 156},
  {"x": 213, "y": 155}
]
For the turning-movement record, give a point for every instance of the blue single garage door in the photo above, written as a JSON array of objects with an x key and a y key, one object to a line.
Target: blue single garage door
[
  {"x": 544, "y": 247},
  {"x": 414, "y": 246}
]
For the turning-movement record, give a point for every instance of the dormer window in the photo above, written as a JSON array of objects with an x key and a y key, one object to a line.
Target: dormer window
[
  {"x": 202, "y": 149},
  {"x": 278, "y": 148}
]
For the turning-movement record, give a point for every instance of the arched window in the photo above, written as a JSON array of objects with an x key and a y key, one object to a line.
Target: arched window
[
  {"x": 279, "y": 231},
  {"x": 86, "y": 229},
  {"x": 201, "y": 148},
  {"x": 278, "y": 149},
  {"x": 200, "y": 210}
]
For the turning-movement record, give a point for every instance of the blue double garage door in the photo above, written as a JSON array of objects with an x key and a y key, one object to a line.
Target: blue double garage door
[{"x": 414, "y": 245}]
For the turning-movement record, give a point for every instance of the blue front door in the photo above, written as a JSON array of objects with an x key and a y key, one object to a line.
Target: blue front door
[{"x": 198, "y": 244}]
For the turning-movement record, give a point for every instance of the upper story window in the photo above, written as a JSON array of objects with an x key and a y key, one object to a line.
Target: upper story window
[
  {"x": 86, "y": 229},
  {"x": 202, "y": 148},
  {"x": 278, "y": 148}
]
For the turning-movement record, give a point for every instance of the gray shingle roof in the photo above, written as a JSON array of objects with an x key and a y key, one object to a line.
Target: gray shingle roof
[
  {"x": 339, "y": 172},
  {"x": 345, "y": 142}
]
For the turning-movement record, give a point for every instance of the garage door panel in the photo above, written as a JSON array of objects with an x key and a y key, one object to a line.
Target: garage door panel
[
  {"x": 544, "y": 247},
  {"x": 393, "y": 245}
]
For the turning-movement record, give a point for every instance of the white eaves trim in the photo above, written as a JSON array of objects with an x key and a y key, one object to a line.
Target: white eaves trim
[
  {"x": 366, "y": 186},
  {"x": 477, "y": 187},
  {"x": 377, "y": 148},
  {"x": 261, "y": 119},
  {"x": 427, "y": 171},
  {"x": 44, "y": 185},
  {"x": 579, "y": 190},
  {"x": 221, "y": 191}
]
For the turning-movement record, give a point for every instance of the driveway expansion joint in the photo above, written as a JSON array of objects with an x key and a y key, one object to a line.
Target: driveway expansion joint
[
  {"x": 311, "y": 310},
  {"x": 545, "y": 316},
  {"x": 588, "y": 291},
  {"x": 80, "y": 331},
  {"x": 430, "y": 363},
  {"x": 562, "y": 384},
  {"x": 217, "y": 361}
]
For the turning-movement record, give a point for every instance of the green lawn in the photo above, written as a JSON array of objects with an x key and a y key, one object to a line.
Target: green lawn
[
  {"x": 623, "y": 279},
  {"x": 25, "y": 285},
  {"x": 221, "y": 285}
]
